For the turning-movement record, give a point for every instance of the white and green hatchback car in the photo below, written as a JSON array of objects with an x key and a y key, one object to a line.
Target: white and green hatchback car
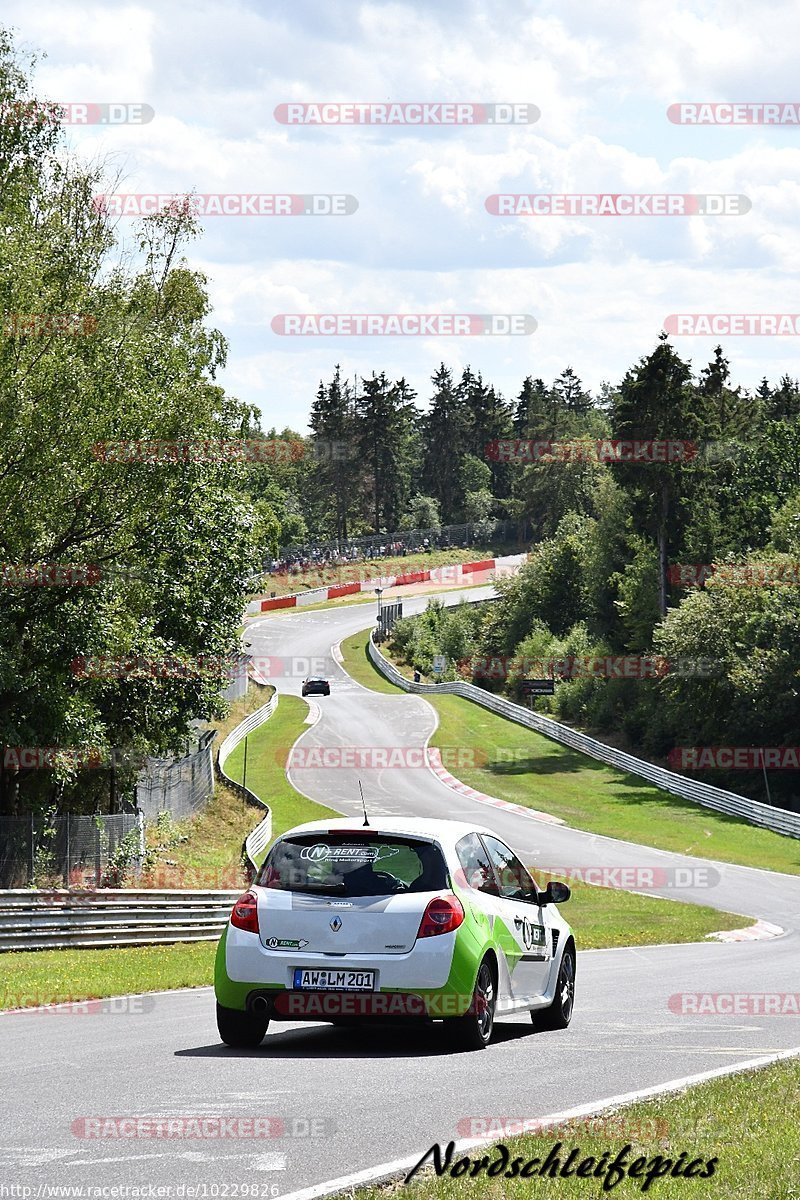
[{"x": 412, "y": 918}]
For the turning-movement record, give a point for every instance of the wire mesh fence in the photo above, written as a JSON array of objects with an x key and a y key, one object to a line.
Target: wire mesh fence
[
  {"x": 70, "y": 850},
  {"x": 179, "y": 786}
]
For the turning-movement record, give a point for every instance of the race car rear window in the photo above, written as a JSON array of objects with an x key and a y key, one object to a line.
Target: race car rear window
[{"x": 354, "y": 865}]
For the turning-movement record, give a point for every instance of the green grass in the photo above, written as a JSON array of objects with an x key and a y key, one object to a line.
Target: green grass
[
  {"x": 526, "y": 768},
  {"x": 607, "y": 917},
  {"x": 33, "y": 977},
  {"x": 211, "y": 855},
  {"x": 747, "y": 1121},
  {"x": 358, "y": 665},
  {"x": 267, "y": 751}
]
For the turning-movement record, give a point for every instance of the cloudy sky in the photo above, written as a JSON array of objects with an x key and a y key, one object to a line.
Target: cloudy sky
[{"x": 421, "y": 240}]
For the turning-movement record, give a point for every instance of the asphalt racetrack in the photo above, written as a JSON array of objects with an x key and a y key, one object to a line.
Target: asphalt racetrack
[{"x": 349, "y": 1100}]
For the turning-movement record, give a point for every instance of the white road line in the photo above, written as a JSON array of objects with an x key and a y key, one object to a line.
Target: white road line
[{"x": 403, "y": 1165}]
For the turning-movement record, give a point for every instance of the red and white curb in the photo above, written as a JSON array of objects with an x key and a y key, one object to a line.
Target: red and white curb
[
  {"x": 435, "y": 764},
  {"x": 450, "y": 573},
  {"x": 760, "y": 932}
]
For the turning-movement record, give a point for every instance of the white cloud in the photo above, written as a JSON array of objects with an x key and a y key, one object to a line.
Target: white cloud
[{"x": 422, "y": 240}]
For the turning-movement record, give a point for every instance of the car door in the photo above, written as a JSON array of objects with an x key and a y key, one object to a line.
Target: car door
[
  {"x": 530, "y": 946},
  {"x": 478, "y": 875}
]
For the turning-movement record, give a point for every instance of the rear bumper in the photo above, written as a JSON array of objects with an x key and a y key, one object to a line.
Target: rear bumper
[
  {"x": 438, "y": 975},
  {"x": 288, "y": 1005}
]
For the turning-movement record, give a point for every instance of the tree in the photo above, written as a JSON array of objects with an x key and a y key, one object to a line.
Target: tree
[
  {"x": 423, "y": 513},
  {"x": 487, "y": 418},
  {"x": 335, "y": 485},
  {"x": 388, "y": 446},
  {"x": 164, "y": 544},
  {"x": 444, "y": 439},
  {"x": 656, "y": 402}
]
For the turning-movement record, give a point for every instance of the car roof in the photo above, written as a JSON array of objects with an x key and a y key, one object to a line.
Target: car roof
[{"x": 427, "y": 827}]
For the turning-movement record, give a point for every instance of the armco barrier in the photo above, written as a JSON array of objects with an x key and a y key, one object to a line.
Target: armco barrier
[
  {"x": 256, "y": 842},
  {"x": 40, "y": 920},
  {"x": 777, "y": 819},
  {"x": 55, "y": 919}
]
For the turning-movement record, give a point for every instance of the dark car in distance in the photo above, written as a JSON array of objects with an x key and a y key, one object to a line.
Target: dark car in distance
[{"x": 316, "y": 687}]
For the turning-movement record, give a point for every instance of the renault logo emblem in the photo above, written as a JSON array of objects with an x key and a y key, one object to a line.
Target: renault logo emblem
[{"x": 336, "y": 924}]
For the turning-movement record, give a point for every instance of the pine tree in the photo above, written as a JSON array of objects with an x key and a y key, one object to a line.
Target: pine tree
[
  {"x": 444, "y": 437},
  {"x": 335, "y": 481}
]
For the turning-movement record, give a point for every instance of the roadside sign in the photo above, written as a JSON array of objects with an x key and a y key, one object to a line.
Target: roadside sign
[
  {"x": 389, "y": 614},
  {"x": 538, "y": 687},
  {"x": 439, "y": 664}
]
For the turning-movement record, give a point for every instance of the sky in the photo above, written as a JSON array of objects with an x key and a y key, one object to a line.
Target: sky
[{"x": 421, "y": 239}]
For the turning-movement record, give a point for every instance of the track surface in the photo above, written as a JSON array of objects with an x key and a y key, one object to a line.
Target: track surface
[{"x": 381, "y": 1095}]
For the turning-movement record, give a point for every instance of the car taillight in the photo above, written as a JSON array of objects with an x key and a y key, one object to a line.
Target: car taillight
[
  {"x": 443, "y": 915},
  {"x": 245, "y": 913}
]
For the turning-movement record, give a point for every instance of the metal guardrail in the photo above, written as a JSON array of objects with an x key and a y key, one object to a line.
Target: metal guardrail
[
  {"x": 40, "y": 920},
  {"x": 256, "y": 842},
  {"x": 57, "y": 919},
  {"x": 777, "y": 819}
]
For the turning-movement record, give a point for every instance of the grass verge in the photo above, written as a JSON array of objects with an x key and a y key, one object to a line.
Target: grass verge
[
  {"x": 33, "y": 977},
  {"x": 519, "y": 765},
  {"x": 267, "y": 751},
  {"x": 746, "y": 1122}
]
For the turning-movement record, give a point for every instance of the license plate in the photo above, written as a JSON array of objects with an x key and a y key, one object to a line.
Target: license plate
[{"x": 336, "y": 981}]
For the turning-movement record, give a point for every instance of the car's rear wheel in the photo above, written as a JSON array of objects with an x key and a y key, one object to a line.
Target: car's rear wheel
[
  {"x": 559, "y": 1014},
  {"x": 240, "y": 1028},
  {"x": 473, "y": 1031}
]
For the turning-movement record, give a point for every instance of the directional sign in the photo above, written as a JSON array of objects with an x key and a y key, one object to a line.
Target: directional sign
[
  {"x": 389, "y": 614},
  {"x": 538, "y": 687}
]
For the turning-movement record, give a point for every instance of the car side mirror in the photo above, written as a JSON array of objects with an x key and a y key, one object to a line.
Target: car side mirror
[{"x": 555, "y": 893}]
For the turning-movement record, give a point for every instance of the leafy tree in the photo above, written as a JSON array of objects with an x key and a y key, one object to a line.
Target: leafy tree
[
  {"x": 167, "y": 543},
  {"x": 423, "y": 513}
]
